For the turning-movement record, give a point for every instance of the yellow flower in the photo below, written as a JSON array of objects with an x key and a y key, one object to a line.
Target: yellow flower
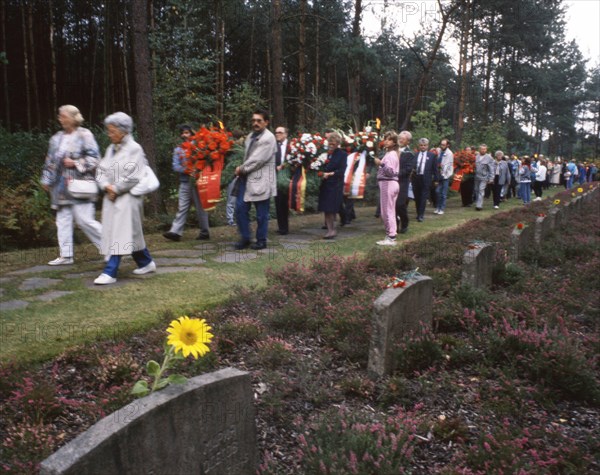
[
  {"x": 579, "y": 190},
  {"x": 189, "y": 335},
  {"x": 573, "y": 195},
  {"x": 556, "y": 202}
]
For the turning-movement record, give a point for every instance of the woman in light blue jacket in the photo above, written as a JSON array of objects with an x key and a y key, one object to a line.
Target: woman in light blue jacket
[{"x": 72, "y": 154}]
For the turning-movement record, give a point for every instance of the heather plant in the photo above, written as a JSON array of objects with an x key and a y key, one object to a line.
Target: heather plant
[
  {"x": 546, "y": 356},
  {"x": 399, "y": 390},
  {"x": 418, "y": 353},
  {"x": 274, "y": 352},
  {"x": 25, "y": 445},
  {"x": 241, "y": 330},
  {"x": 37, "y": 400},
  {"x": 344, "y": 441},
  {"x": 510, "y": 449},
  {"x": 507, "y": 275}
]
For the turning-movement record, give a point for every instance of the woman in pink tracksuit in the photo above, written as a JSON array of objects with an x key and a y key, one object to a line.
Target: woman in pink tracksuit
[{"x": 387, "y": 177}]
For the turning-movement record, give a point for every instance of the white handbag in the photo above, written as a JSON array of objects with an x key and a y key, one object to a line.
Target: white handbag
[
  {"x": 147, "y": 184},
  {"x": 83, "y": 189}
]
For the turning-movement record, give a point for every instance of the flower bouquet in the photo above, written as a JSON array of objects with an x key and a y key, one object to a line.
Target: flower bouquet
[
  {"x": 304, "y": 149},
  {"x": 366, "y": 140},
  {"x": 319, "y": 162},
  {"x": 464, "y": 175},
  {"x": 205, "y": 160}
]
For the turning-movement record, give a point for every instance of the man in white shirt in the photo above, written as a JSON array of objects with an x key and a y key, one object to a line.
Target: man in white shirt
[
  {"x": 540, "y": 179},
  {"x": 445, "y": 169},
  {"x": 281, "y": 200}
]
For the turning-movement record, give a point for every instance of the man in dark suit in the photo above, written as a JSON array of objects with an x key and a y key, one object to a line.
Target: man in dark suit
[
  {"x": 424, "y": 173},
  {"x": 407, "y": 166},
  {"x": 281, "y": 200}
]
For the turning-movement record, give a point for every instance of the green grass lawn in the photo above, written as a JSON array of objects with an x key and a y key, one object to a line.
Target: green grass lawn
[{"x": 44, "y": 329}]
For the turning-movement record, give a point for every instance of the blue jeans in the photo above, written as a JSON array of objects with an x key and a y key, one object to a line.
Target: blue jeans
[
  {"x": 142, "y": 259},
  {"x": 442, "y": 193},
  {"x": 242, "y": 213},
  {"x": 525, "y": 192}
]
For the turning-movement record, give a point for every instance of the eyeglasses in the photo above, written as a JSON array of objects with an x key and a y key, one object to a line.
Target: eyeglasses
[{"x": 257, "y": 120}]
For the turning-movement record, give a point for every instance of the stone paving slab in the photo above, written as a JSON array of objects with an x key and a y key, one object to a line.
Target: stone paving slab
[
  {"x": 49, "y": 296},
  {"x": 84, "y": 275},
  {"x": 34, "y": 283},
  {"x": 177, "y": 253},
  {"x": 233, "y": 257},
  {"x": 119, "y": 283},
  {"x": 4, "y": 280},
  {"x": 207, "y": 247},
  {"x": 13, "y": 305},
  {"x": 294, "y": 238},
  {"x": 40, "y": 268},
  {"x": 172, "y": 270},
  {"x": 166, "y": 261},
  {"x": 294, "y": 245},
  {"x": 2, "y": 291}
]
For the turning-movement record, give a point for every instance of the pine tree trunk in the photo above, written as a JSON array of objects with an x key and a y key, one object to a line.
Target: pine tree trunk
[
  {"x": 462, "y": 73},
  {"x": 354, "y": 70},
  {"x": 277, "y": 66},
  {"x": 4, "y": 65},
  {"x": 143, "y": 86},
  {"x": 302, "y": 66},
  {"x": 428, "y": 67},
  {"x": 53, "y": 57},
  {"x": 26, "y": 67}
]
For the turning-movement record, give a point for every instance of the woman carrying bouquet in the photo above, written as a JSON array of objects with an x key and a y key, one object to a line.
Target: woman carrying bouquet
[{"x": 331, "y": 192}]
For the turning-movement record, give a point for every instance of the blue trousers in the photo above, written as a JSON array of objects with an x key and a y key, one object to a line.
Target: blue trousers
[
  {"x": 142, "y": 259},
  {"x": 442, "y": 193},
  {"x": 242, "y": 212},
  {"x": 525, "y": 192}
]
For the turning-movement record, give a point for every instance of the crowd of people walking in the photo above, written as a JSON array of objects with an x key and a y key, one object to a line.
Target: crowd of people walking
[{"x": 74, "y": 175}]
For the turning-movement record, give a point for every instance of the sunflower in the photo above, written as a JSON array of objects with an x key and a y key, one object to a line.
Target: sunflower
[
  {"x": 556, "y": 202},
  {"x": 189, "y": 335},
  {"x": 579, "y": 190}
]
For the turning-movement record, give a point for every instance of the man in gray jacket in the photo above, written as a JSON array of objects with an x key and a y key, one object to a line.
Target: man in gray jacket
[
  {"x": 501, "y": 177},
  {"x": 257, "y": 181},
  {"x": 484, "y": 174}
]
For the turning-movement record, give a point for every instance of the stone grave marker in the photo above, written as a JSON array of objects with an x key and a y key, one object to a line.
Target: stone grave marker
[
  {"x": 397, "y": 312},
  {"x": 542, "y": 229},
  {"x": 554, "y": 218},
  {"x": 205, "y": 426},
  {"x": 478, "y": 264},
  {"x": 520, "y": 241}
]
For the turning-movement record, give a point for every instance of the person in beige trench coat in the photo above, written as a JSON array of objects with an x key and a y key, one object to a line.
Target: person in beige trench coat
[{"x": 122, "y": 213}]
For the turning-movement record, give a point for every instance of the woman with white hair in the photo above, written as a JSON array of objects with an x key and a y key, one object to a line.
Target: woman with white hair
[
  {"x": 118, "y": 172},
  {"x": 72, "y": 154}
]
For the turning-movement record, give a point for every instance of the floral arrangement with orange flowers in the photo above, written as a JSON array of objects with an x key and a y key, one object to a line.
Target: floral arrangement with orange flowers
[
  {"x": 464, "y": 163},
  {"x": 206, "y": 147}
]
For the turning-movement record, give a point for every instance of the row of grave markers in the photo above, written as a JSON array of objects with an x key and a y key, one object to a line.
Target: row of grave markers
[{"x": 207, "y": 426}]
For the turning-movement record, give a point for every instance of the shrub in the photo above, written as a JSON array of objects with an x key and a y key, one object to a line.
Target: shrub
[
  {"x": 417, "y": 354},
  {"x": 274, "y": 352},
  {"x": 347, "y": 441},
  {"x": 547, "y": 357}
]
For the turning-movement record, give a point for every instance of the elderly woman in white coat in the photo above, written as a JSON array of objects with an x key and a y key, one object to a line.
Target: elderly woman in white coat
[{"x": 118, "y": 172}]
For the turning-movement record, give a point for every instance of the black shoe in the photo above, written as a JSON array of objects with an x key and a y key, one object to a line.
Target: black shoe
[
  {"x": 403, "y": 230},
  {"x": 172, "y": 236},
  {"x": 323, "y": 227},
  {"x": 203, "y": 237},
  {"x": 478, "y": 209},
  {"x": 419, "y": 219},
  {"x": 241, "y": 245},
  {"x": 282, "y": 233},
  {"x": 258, "y": 246}
]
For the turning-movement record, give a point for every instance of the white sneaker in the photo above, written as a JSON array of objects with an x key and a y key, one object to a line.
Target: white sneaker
[
  {"x": 440, "y": 212},
  {"x": 61, "y": 261},
  {"x": 104, "y": 279},
  {"x": 496, "y": 207},
  {"x": 388, "y": 241},
  {"x": 146, "y": 269}
]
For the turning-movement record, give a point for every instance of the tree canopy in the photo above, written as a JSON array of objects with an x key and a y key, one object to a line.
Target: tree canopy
[{"x": 310, "y": 63}]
